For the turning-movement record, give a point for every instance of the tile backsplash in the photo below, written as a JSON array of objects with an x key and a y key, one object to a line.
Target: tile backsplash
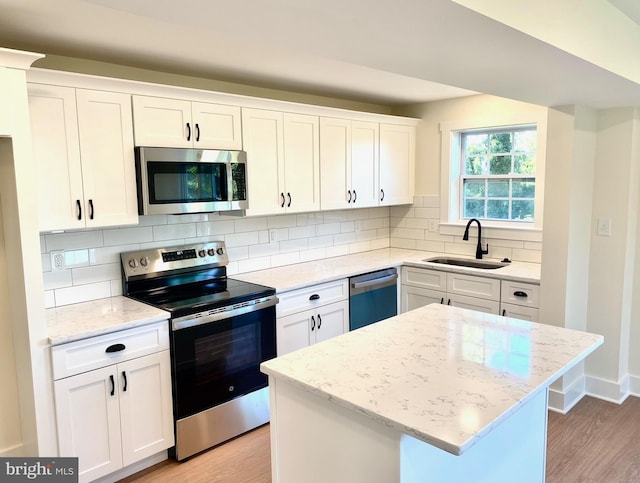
[{"x": 92, "y": 257}]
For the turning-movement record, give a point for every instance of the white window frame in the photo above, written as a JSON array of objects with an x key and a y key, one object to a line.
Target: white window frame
[{"x": 450, "y": 184}]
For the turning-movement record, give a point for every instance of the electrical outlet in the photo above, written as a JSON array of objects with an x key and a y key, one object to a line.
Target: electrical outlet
[{"x": 57, "y": 260}]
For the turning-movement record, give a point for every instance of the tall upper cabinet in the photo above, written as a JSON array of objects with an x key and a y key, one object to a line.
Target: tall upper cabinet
[
  {"x": 282, "y": 161},
  {"x": 349, "y": 163},
  {"x": 83, "y": 149},
  {"x": 397, "y": 164},
  {"x": 176, "y": 123}
]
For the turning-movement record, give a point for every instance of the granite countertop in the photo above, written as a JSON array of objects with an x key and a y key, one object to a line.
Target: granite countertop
[
  {"x": 300, "y": 275},
  {"x": 88, "y": 319},
  {"x": 442, "y": 374}
]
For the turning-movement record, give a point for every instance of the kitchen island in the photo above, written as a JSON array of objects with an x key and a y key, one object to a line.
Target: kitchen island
[{"x": 435, "y": 394}]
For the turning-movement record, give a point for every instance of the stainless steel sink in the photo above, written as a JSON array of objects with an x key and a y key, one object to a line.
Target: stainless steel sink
[{"x": 466, "y": 262}]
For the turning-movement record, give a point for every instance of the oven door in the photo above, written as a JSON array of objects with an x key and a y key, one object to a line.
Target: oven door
[{"x": 218, "y": 361}]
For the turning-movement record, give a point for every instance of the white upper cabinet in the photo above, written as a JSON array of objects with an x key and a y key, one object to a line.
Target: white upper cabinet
[
  {"x": 282, "y": 161},
  {"x": 175, "y": 123},
  {"x": 83, "y": 150},
  {"x": 349, "y": 163},
  {"x": 397, "y": 164}
]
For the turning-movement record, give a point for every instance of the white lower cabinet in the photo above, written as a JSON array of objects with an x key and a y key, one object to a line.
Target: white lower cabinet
[
  {"x": 116, "y": 415},
  {"x": 520, "y": 300},
  {"x": 310, "y": 315}
]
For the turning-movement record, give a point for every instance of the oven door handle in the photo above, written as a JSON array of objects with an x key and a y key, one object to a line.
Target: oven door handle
[{"x": 223, "y": 313}]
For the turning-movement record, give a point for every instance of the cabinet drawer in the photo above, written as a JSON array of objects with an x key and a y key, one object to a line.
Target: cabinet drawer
[
  {"x": 310, "y": 297},
  {"x": 487, "y": 288},
  {"x": 519, "y": 312},
  {"x": 88, "y": 354},
  {"x": 424, "y": 278},
  {"x": 474, "y": 303},
  {"x": 518, "y": 293}
]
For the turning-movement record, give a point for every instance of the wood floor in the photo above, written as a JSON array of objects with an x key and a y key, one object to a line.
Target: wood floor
[{"x": 596, "y": 442}]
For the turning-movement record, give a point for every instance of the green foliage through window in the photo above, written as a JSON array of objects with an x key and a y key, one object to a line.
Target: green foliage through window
[{"x": 498, "y": 174}]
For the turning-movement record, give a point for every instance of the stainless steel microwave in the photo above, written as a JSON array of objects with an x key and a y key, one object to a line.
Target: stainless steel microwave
[{"x": 174, "y": 181}]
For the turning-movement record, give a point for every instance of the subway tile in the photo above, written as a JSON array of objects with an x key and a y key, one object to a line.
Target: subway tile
[
  {"x": 76, "y": 258},
  {"x": 532, "y": 256},
  {"x": 309, "y": 219},
  {"x": 328, "y": 229},
  {"x": 45, "y": 258},
  {"x": 162, "y": 244},
  {"x": 430, "y": 246},
  {"x": 335, "y": 216},
  {"x": 263, "y": 236},
  {"x": 285, "y": 259},
  {"x": 498, "y": 242},
  {"x": 343, "y": 238},
  {"x": 244, "y": 225},
  {"x": 187, "y": 218},
  {"x": 417, "y": 201},
  {"x": 126, "y": 236},
  {"x": 435, "y": 236},
  {"x": 372, "y": 223},
  {"x": 529, "y": 245},
  {"x": 280, "y": 234},
  {"x": 367, "y": 235},
  {"x": 359, "y": 247},
  {"x": 237, "y": 253},
  {"x": 82, "y": 293},
  {"x": 282, "y": 221},
  {"x": 232, "y": 268},
  {"x": 402, "y": 243},
  {"x": 380, "y": 243},
  {"x": 74, "y": 240},
  {"x": 320, "y": 241},
  {"x": 253, "y": 264},
  {"x": 60, "y": 279},
  {"x": 337, "y": 251},
  {"x": 398, "y": 222},
  {"x": 383, "y": 233},
  {"x": 213, "y": 228},
  {"x": 96, "y": 273},
  {"x": 241, "y": 239},
  {"x": 431, "y": 201},
  {"x": 49, "y": 299},
  {"x": 116, "y": 287},
  {"x": 294, "y": 245},
  {"x": 420, "y": 223},
  {"x": 43, "y": 244},
  {"x": 312, "y": 254},
  {"x": 110, "y": 254},
  {"x": 414, "y": 234},
  {"x": 264, "y": 250},
  {"x": 347, "y": 226},
  {"x": 427, "y": 213},
  {"x": 151, "y": 220},
  {"x": 308, "y": 231},
  {"x": 467, "y": 250},
  {"x": 404, "y": 211},
  {"x": 171, "y": 232}
]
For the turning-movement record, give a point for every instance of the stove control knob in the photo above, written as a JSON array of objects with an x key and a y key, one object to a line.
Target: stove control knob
[
  {"x": 211, "y": 252},
  {"x": 144, "y": 261},
  {"x": 133, "y": 263},
  {"x": 220, "y": 251},
  {"x": 201, "y": 253}
]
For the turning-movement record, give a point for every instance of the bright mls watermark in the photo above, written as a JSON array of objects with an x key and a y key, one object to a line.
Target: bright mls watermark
[{"x": 53, "y": 470}]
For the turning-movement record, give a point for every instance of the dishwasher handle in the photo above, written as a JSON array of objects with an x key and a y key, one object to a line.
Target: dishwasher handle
[{"x": 374, "y": 283}]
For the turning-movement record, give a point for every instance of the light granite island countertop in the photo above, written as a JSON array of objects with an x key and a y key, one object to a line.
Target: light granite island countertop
[{"x": 436, "y": 394}]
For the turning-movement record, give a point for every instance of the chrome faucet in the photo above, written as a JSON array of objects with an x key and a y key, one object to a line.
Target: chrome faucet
[{"x": 479, "y": 250}]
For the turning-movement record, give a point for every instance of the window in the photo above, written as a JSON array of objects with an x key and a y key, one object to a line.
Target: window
[{"x": 497, "y": 174}]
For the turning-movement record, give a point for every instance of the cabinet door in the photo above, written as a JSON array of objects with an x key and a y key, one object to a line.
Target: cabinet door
[
  {"x": 56, "y": 151},
  {"x": 414, "y": 297},
  {"x": 301, "y": 163},
  {"x": 460, "y": 284},
  {"x": 331, "y": 320},
  {"x": 424, "y": 278},
  {"x": 519, "y": 312},
  {"x": 364, "y": 164},
  {"x": 162, "y": 122},
  {"x": 106, "y": 151},
  {"x": 262, "y": 137},
  {"x": 145, "y": 406},
  {"x": 472, "y": 303},
  {"x": 335, "y": 161},
  {"x": 216, "y": 126},
  {"x": 88, "y": 420},
  {"x": 293, "y": 332},
  {"x": 397, "y": 164}
]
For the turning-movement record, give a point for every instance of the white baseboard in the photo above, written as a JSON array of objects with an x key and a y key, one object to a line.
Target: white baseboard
[
  {"x": 562, "y": 401},
  {"x": 14, "y": 451},
  {"x": 634, "y": 385},
  {"x": 611, "y": 391},
  {"x": 134, "y": 468}
]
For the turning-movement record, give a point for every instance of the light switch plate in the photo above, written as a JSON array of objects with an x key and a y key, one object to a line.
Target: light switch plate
[{"x": 604, "y": 226}]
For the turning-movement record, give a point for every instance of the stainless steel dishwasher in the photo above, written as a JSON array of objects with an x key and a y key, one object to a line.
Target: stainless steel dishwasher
[{"x": 372, "y": 297}]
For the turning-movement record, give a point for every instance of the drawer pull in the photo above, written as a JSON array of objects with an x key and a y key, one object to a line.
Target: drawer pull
[
  {"x": 519, "y": 293},
  {"x": 313, "y": 323},
  {"x": 504, "y": 312},
  {"x": 124, "y": 376},
  {"x": 113, "y": 384},
  {"x": 115, "y": 348},
  {"x": 319, "y": 322},
  {"x": 315, "y": 296}
]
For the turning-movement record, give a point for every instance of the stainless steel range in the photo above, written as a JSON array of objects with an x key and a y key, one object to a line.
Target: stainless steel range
[{"x": 221, "y": 330}]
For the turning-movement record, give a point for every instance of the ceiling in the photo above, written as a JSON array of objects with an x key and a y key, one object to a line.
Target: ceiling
[{"x": 386, "y": 52}]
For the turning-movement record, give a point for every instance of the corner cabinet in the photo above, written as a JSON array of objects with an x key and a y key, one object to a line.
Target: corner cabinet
[
  {"x": 83, "y": 149},
  {"x": 349, "y": 163},
  {"x": 113, "y": 399},
  {"x": 397, "y": 164},
  {"x": 176, "y": 123},
  {"x": 312, "y": 314},
  {"x": 282, "y": 161}
]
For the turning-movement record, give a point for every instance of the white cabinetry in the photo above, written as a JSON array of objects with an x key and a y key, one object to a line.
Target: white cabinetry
[
  {"x": 282, "y": 161},
  {"x": 424, "y": 286},
  {"x": 397, "y": 164},
  {"x": 176, "y": 123},
  {"x": 83, "y": 149},
  {"x": 348, "y": 163},
  {"x": 113, "y": 398},
  {"x": 311, "y": 315},
  {"x": 520, "y": 300}
]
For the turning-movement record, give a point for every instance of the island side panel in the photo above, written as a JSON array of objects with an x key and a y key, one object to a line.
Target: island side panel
[
  {"x": 513, "y": 451},
  {"x": 316, "y": 441}
]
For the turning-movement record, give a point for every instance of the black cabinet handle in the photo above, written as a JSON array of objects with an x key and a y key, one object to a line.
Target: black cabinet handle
[
  {"x": 504, "y": 312},
  {"x": 197, "y": 132},
  {"x": 188, "y": 132},
  {"x": 113, "y": 384},
  {"x": 116, "y": 348},
  {"x": 355, "y": 196},
  {"x": 519, "y": 293},
  {"x": 124, "y": 376},
  {"x": 313, "y": 323},
  {"x": 282, "y": 205},
  {"x": 382, "y": 193},
  {"x": 289, "y": 204},
  {"x": 449, "y": 302},
  {"x": 91, "y": 209},
  {"x": 349, "y": 200},
  {"x": 441, "y": 300},
  {"x": 79, "y": 206},
  {"x": 315, "y": 296},
  {"x": 319, "y": 321}
]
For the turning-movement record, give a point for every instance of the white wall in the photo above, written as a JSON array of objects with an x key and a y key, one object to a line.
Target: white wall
[{"x": 93, "y": 261}]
